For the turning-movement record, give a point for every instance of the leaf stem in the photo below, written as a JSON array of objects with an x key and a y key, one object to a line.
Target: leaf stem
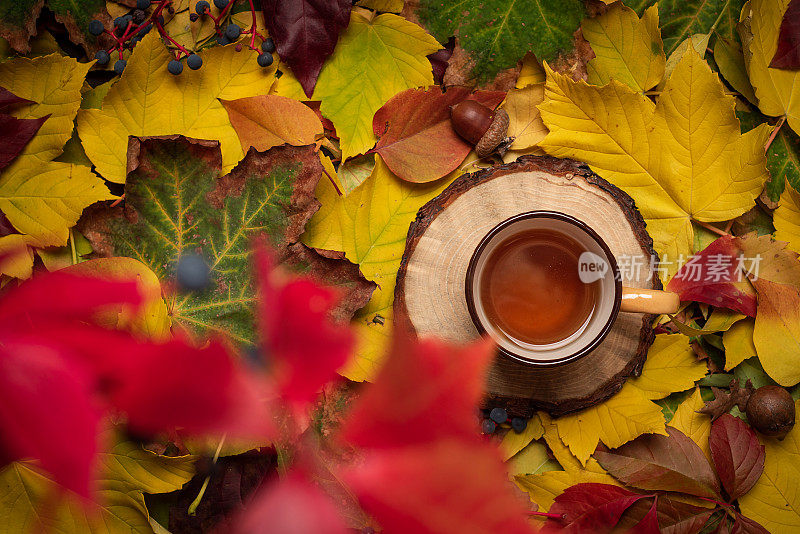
[
  {"x": 774, "y": 133},
  {"x": 710, "y": 228},
  {"x": 196, "y": 501},
  {"x": 72, "y": 247}
]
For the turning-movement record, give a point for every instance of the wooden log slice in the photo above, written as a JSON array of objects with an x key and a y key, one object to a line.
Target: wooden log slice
[{"x": 429, "y": 296}]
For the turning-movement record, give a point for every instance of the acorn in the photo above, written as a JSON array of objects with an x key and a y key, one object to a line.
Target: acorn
[
  {"x": 770, "y": 410},
  {"x": 479, "y": 125}
]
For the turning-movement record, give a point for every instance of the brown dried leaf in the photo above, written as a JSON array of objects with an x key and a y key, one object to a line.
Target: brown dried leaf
[{"x": 724, "y": 401}]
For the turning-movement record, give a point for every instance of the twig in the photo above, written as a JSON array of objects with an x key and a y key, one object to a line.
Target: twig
[
  {"x": 196, "y": 501},
  {"x": 711, "y": 228},
  {"x": 774, "y": 132}
]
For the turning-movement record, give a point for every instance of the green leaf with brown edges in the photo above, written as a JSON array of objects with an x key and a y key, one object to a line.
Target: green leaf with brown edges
[
  {"x": 497, "y": 33},
  {"x": 174, "y": 203}
]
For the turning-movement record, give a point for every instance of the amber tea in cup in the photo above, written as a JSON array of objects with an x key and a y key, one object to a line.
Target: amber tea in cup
[
  {"x": 546, "y": 288},
  {"x": 531, "y": 287}
]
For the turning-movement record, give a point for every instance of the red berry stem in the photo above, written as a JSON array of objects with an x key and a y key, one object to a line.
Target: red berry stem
[{"x": 253, "y": 31}]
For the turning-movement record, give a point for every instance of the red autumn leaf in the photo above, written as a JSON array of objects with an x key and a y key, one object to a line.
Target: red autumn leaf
[
  {"x": 745, "y": 525},
  {"x": 668, "y": 463},
  {"x": 305, "y": 34},
  {"x": 9, "y": 99},
  {"x": 162, "y": 386},
  {"x": 590, "y": 508},
  {"x": 737, "y": 454},
  {"x": 47, "y": 413},
  {"x": 443, "y": 487},
  {"x": 60, "y": 371},
  {"x": 303, "y": 344},
  {"x": 419, "y": 381},
  {"x": 787, "y": 55},
  {"x": 16, "y": 133},
  {"x": 291, "y": 506},
  {"x": 673, "y": 516},
  {"x": 61, "y": 297},
  {"x": 649, "y": 523},
  {"x": 417, "y": 140},
  {"x": 715, "y": 276}
]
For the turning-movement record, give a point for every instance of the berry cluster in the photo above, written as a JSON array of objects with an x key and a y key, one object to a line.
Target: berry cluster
[
  {"x": 131, "y": 28},
  {"x": 498, "y": 416}
]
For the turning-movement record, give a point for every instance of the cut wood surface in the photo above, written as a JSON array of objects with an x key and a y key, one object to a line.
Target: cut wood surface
[{"x": 429, "y": 297}]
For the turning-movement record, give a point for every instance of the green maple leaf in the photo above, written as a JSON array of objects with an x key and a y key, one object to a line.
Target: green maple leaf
[
  {"x": 681, "y": 18},
  {"x": 18, "y": 19},
  {"x": 497, "y": 33},
  {"x": 175, "y": 204}
]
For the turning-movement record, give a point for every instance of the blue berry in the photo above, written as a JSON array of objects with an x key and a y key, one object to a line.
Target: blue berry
[
  {"x": 194, "y": 62},
  {"x": 120, "y": 23},
  {"x": 498, "y": 415},
  {"x": 265, "y": 60},
  {"x": 120, "y": 65},
  {"x": 268, "y": 45},
  {"x": 233, "y": 31},
  {"x": 192, "y": 273},
  {"x": 518, "y": 424},
  {"x": 201, "y": 7},
  {"x": 488, "y": 426},
  {"x": 221, "y": 4},
  {"x": 102, "y": 57},
  {"x": 142, "y": 4},
  {"x": 223, "y": 40},
  {"x": 96, "y": 27},
  {"x": 175, "y": 67},
  {"x": 128, "y": 19}
]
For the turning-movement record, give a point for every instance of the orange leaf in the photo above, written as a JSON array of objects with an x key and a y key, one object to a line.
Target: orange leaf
[{"x": 268, "y": 120}]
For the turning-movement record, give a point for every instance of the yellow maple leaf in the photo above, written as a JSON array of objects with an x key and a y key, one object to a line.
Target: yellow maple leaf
[
  {"x": 774, "y": 501},
  {"x": 266, "y": 121},
  {"x": 627, "y": 49},
  {"x": 54, "y": 83},
  {"x": 532, "y": 459},
  {"x": 775, "y": 88},
  {"x": 681, "y": 159},
  {"x": 525, "y": 122},
  {"x": 370, "y": 225},
  {"x": 373, "y": 61},
  {"x": 738, "y": 343},
  {"x": 514, "y": 442},
  {"x": 543, "y": 488},
  {"x": 671, "y": 366},
  {"x": 696, "y": 425},
  {"x": 530, "y": 72},
  {"x": 786, "y": 218},
  {"x": 148, "y": 101},
  {"x": 45, "y": 200},
  {"x": 623, "y": 417}
]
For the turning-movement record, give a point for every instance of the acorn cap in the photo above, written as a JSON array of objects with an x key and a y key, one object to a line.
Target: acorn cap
[{"x": 494, "y": 134}]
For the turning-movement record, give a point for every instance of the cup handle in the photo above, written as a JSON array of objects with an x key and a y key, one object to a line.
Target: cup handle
[{"x": 649, "y": 301}]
